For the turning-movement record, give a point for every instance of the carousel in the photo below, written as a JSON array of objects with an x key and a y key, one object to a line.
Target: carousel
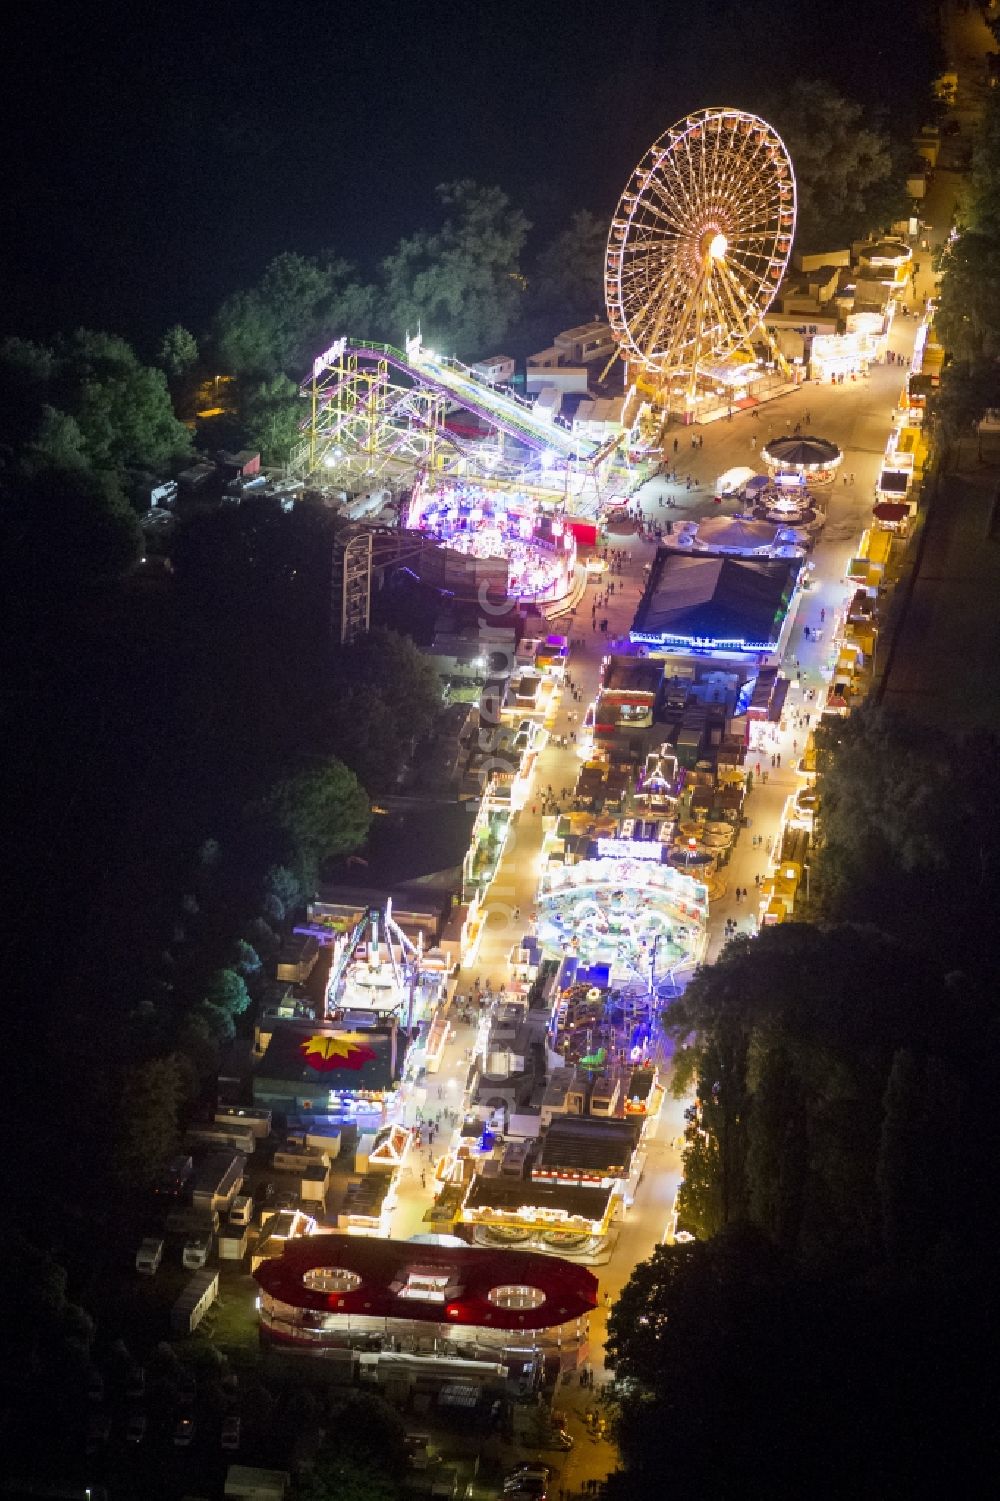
[
  {"x": 814, "y": 460},
  {"x": 786, "y": 503},
  {"x": 538, "y": 547}
]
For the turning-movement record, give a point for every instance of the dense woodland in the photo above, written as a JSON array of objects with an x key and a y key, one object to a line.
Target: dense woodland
[{"x": 968, "y": 316}]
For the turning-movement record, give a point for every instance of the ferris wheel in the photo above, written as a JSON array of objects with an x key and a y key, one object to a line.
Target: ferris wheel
[{"x": 699, "y": 244}]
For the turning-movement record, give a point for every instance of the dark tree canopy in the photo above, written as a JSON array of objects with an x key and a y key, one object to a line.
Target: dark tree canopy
[
  {"x": 63, "y": 529},
  {"x": 462, "y": 283},
  {"x": 319, "y": 813},
  {"x": 121, "y": 408},
  {"x": 299, "y": 306},
  {"x": 790, "y": 1039},
  {"x": 178, "y": 351},
  {"x": 843, "y": 165},
  {"x": 567, "y": 285},
  {"x": 388, "y": 697},
  {"x": 909, "y": 833},
  {"x": 737, "y": 1374},
  {"x": 968, "y": 316}
]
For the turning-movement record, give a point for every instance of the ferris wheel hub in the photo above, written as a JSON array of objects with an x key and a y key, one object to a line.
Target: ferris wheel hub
[{"x": 717, "y": 247}]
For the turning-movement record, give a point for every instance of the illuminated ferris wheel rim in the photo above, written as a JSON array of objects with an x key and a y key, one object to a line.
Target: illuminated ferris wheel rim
[{"x": 700, "y": 241}]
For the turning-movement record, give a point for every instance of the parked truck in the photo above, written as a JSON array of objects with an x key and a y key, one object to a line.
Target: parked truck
[
  {"x": 237, "y": 1137},
  {"x": 245, "y": 1118},
  {"x": 194, "y": 1302}
]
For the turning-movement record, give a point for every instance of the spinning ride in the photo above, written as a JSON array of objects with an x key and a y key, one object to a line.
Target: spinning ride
[
  {"x": 807, "y": 459},
  {"x": 641, "y": 919},
  {"x": 697, "y": 250},
  {"x": 539, "y": 550}
]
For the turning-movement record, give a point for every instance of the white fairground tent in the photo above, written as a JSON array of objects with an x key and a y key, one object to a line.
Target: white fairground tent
[{"x": 734, "y": 479}]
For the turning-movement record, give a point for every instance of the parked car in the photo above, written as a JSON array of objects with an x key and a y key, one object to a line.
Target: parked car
[
  {"x": 135, "y": 1429},
  {"x": 230, "y": 1438},
  {"x": 184, "y": 1431},
  {"x": 528, "y": 1480}
]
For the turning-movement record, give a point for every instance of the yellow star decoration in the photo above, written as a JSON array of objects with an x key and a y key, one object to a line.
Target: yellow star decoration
[{"x": 341, "y": 1050}]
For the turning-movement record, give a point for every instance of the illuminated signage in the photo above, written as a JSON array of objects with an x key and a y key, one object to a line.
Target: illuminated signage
[
  {"x": 333, "y": 354},
  {"x": 629, "y": 849}
]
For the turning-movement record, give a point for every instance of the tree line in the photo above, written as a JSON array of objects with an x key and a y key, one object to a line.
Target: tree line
[{"x": 967, "y": 320}]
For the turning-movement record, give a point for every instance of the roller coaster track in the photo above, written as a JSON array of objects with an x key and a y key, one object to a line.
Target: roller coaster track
[{"x": 455, "y": 382}]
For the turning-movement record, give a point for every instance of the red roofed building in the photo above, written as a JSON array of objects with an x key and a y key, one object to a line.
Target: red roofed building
[{"x": 427, "y": 1307}]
